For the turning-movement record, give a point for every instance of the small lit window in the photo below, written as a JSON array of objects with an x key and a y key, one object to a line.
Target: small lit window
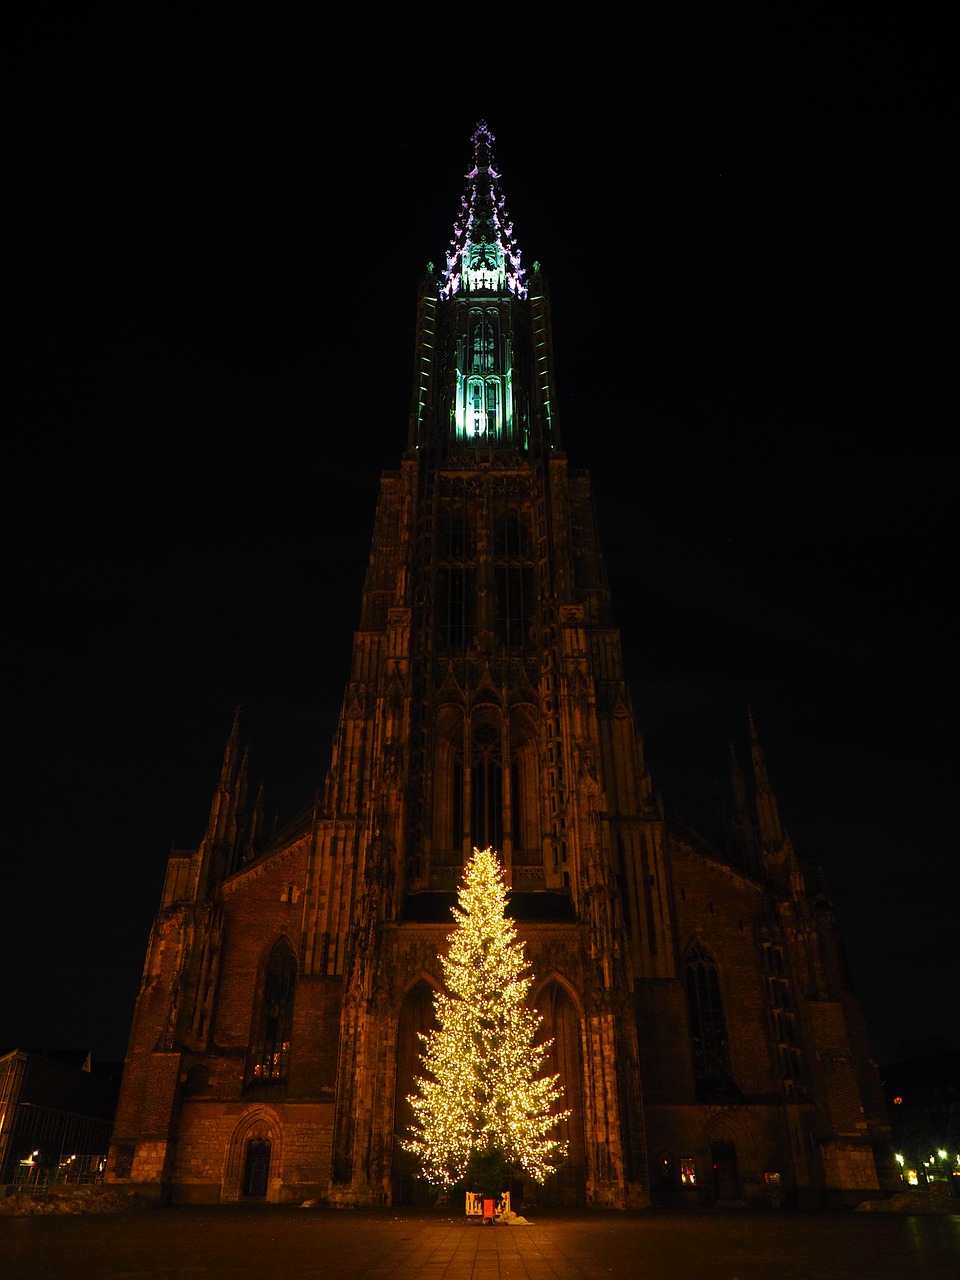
[{"x": 271, "y": 1049}]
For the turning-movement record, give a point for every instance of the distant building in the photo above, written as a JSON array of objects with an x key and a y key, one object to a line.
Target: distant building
[
  {"x": 923, "y": 1102},
  {"x": 703, "y": 1023},
  {"x": 56, "y": 1114}
]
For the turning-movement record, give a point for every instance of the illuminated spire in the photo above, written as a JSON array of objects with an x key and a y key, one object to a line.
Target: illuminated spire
[{"x": 483, "y": 254}]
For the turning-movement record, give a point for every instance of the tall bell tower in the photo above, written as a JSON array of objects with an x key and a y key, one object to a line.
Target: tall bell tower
[{"x": 487, "y": 679}]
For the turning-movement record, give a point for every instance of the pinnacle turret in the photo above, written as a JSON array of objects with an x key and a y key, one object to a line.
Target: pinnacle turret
[
  {"x": 768, "y": 814},
  {"x": 226, "y": 833},
  {"x": 744, "y": 833}
]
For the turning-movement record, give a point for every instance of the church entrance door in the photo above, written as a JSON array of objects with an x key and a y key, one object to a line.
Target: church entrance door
[
  {"x": 256, "y": 1171},
  {"x": 726, "y": 1174}
]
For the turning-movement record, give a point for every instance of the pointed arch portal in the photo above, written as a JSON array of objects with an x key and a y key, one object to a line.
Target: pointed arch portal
[
  {"x": 561, "y": 1022},
  {"x": 256, "y": 1169},
  {"x": 416, "y": 1017}
]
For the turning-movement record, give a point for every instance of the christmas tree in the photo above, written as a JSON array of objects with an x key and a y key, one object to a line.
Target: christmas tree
[{"x": 480, "y": 1104}]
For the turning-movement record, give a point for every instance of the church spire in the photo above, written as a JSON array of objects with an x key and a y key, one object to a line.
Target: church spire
[
  {"x": 231, "y": 754},
  {"x": 776, "y": 848},
  {"x": 225, "y": 826},
  {"x": 744, "y": 835},
  {"x": 483, "y": 255},
  {"x": 768, "y": 814},
  {"x": 484, "y": 356}
]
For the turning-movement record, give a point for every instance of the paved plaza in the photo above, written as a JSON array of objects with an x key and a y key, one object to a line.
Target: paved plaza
[{"x": 270, "y": 1242}]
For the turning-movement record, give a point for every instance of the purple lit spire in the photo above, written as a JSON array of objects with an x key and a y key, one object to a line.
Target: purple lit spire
[{"x": 483, "y": 256}]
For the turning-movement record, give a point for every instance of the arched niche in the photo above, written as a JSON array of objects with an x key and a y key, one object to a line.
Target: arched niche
[
  {"x": 561, "y": 1024},
  {"x": 416, "y": 1017}
]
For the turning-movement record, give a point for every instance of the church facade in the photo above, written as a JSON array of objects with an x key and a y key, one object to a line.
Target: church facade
[{"x": 702, "y": 1023}]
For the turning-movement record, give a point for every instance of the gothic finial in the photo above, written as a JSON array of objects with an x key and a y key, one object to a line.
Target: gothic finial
[{"x": 482, "y": 131}]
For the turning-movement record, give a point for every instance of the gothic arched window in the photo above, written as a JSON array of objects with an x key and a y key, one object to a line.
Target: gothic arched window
[
  {"x": 484, "y": 327},
  {"x": 486, "y": 788},
  {"x": 476, "y": 413},
  {"x": 456, "y": 598},
  {"x": 456, "y": 573},
  {"x": 493, "y": 407},
  {"x": 708, "y": 1032},
  {"x": 273, "y": 1026},
  {"x": 513, "y": 576}
]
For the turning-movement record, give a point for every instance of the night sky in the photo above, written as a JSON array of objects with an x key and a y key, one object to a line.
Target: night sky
[{"x": 218, "y": 242}]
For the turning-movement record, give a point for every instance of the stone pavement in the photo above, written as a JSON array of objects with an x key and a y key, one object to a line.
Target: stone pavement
[{"x": 281, "y": 1243}]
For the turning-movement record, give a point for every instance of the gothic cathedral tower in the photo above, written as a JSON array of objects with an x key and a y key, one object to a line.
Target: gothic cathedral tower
[
  {"x": 487, "y": 704},
  {"x": 275, "y": 1036}
]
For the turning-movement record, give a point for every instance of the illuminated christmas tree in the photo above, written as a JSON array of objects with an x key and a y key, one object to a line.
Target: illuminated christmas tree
[{"x": 480, "y": 1106}]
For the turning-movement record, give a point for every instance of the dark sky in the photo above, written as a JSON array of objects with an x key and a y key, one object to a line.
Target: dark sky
[{"x": 219, "y": 236}]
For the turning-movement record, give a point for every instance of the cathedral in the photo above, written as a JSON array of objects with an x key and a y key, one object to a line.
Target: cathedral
[{"x": 702, "y": 1023}]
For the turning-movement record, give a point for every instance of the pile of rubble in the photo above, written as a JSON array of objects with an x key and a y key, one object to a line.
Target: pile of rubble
[
  {"x": 912, "y": 1202},
  {"x": 70, "y": 1199}
]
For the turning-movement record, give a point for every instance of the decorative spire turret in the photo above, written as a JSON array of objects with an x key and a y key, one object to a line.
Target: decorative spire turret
[
  {"x": 744, "y": 834},
  {"x": 483, "y": 256},
  {"x": 226, "y": 833},
  {"x": 768, "y": 814}
]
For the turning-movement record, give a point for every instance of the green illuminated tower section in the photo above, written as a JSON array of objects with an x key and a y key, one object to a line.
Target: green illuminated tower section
[{"x": 483, "y": 343}]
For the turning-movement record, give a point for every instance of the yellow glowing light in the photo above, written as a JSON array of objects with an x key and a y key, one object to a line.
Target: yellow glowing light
[{"x": 480, "y": 1091}]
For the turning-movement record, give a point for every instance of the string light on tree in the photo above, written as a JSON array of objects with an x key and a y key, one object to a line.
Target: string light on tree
[{"x": 480, "y": 1101}]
